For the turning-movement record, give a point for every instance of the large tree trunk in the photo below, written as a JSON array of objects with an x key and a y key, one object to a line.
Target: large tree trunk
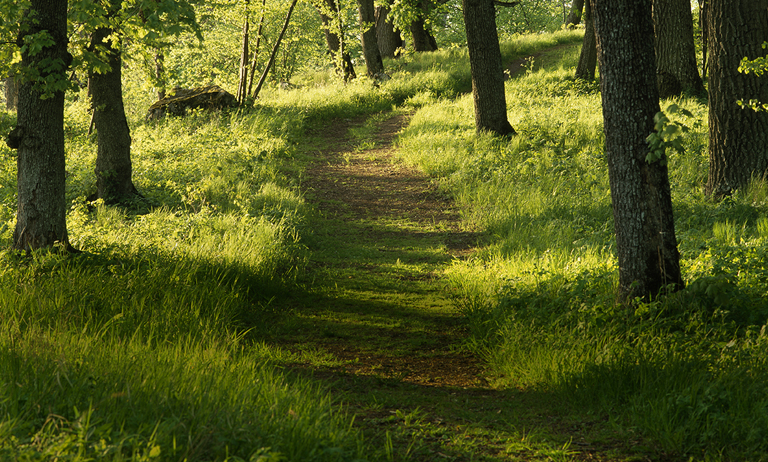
[
  {"x": 388, "y": 39},
  {"x": 676, "y": 69},
  {"x": 585, "y": 70},
  {"x": 373, "y": 61},
  {"x": 642, "y": 207},
  {"x": 334, "y": 37},
  {"x": 574, "y": 17},
  {"x": 738, "y": 138},
  {"x": 423, "y": 40},
  {"x": 486, "y": 67},
  {"x": 113, "y": 159},
  {"x": 39, "y": 135}
]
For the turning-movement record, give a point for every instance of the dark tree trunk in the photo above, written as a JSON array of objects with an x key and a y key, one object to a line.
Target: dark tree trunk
[
  {"x": 39, "y": 136},
  {"x": 703, "y": 21},
  {"x": 11, "y": 93},
  {"x": 334, "y": 37},
  {"x": 676, "y": 69},
  {"x": 574, "y": 17},
  {"x": 423, "y": 40},
  {"x": 738, "y": 138},
  {"x": 113, "y": 158},
  {"x": 585, "y": 70},
  {"x": 642, "y": 206},
  {"x": 373, "y": 61},
  {"x": 387, "y": 37},
  {"x": 486, "y": 67}
]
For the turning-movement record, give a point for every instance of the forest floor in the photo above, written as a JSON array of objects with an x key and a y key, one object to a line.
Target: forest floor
[{"x": 375, "y": 322}]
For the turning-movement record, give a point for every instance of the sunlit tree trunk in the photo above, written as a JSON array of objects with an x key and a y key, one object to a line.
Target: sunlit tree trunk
[
  {"x": 11, "y": 93},
  {"x": 334, "y": 37},
  {"x": 388, "y": 39},
  {"x": 373, "y": 61},
  {"x": 39, "y": 134},
  {"x": 574, "y": 17},
  {"x": 486, "y": 67},
  {"x": 585, "y": 69},
  {"x": 738, "y": 138},
  {"x": 646, "y": 245},
  {"x": 676, "y": 69}
]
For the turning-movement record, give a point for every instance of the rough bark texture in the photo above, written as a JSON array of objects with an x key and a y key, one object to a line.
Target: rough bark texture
[
  {"x": 676, "y": 69},
  {"x": 388, "y": 39},
  {"x": 423, "y": 40},
  {"x": 11, "y": 94},
  {"x": 574, "y": 17},
  {"x": 486, "y": 67},
  {"x": 738, "y": 138},
  {"x": 373, "y": 61},
  {"x": 39, "y": 138},
  {"x": 642, "y": 207},
  {"x": 113, "y": 159},
  {"x": 585, "y": 69},
  {"x": 329, "y": 15}
]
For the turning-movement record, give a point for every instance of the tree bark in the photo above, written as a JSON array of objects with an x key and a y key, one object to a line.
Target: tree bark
[
  {"x": 738, "y": 138},
  {"x": 676, "y": 69},
  {"x": 113, "y": 159},
  {"x": 373, "y": 62},
  {"x": 39, "y": 134},
  {"x": 11, "y": 93},
  {"x": 388, "y": 39},
  {"x": 574, "y": 17},
  {"x": 334, "y": 37},
  {"x": 423, "y": 40},
  {"x": 585, "y": 69},
  {"x": 646, "y": 246},
  {"x": 486, "y": 67}
]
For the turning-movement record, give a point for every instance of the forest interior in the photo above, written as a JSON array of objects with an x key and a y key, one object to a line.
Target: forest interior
[{"x": 413, "y": 244}]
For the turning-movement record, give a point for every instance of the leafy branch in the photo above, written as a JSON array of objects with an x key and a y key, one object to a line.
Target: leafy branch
[
  {"x": 667, "y": 134},
  {"x": 757, "y": 66}
]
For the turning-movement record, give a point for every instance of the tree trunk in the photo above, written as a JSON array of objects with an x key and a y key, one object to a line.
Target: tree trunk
[
  {"x": 242, "y": 81},
  {"x": 676, "y": 69},
  {"x": 642, "y": 206},
  {"x": 275, "y": 48},
  {"x": 373, "y": 61},
  {"x": 39, "y": 134},
  {"x": 585, "y": 70},
  {"x": 574, "y": 17},
  {"x": 423, "y": 40},
  {"x": 113, "y": 158},
  {"x": 738, "y": 138},
  {"x": 486, "y": 67},
  {"x": 388, "y": 39},
  {"x": 334, "y": 37},
  {"x": 11, "y": 93}
]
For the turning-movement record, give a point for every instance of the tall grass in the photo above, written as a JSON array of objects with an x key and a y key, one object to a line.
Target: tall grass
[{"x": 539, "y": 297}]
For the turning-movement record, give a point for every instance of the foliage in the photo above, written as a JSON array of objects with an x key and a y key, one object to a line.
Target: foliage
[
  {"x": 667, "y": 134},
  {"x": 757, "y": 66}
]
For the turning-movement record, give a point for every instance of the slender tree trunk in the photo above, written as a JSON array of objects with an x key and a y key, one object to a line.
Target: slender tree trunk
[
  {"x": 486, "y": 67},
  {"x": 11, "y": 93},
  {"x": 642, "y": 206},
  {"x": 738, "y": 138},
  {"x": 387, "y": 37},
  {"x": 574, "y": 17},
  {"x": 703, "y": 21},
  {"x": 334, "y": 37},
  {"x": 113, "y": 159},
  {"x": 373, "y": 62},
  {"x": 242, "y": 81},
  {"x": 160, "y": 75},
  {"x": 585, "y": 69},
  {"x": 255, "y": 58},
  {"x": 39, "y": 135},
  {"x": 676, "y": 69},
  {"x": 275, "y": 48}
]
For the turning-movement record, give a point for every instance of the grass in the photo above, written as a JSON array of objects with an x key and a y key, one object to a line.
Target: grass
[{"x": 210, "y": 322}]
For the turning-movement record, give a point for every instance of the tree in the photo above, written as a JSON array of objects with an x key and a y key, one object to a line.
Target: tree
[
  {"x": 423, "y": 40},
  {"x": 39, "y": 133},
  {"x": 368, "y": 38},
  {"x": 333, "y": 26},
  {"x": 738, "y": 138},
  {"x": 574, "y": 16},
  {"x": 585, "y": 69},
  {"x": 11, "y": 93},
  {"x": 486, "y": 68},
  {"x": 676, "y": 69},
  {"x": 387, "y": 37},
  {"x": 646, "y": 245},
  {"x": 113, "y": 159}
]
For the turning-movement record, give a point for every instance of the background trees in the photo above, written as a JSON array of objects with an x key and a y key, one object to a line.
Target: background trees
[
  {"x": 675, "y": 51},
  {"x": 642, "y": 205}
]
